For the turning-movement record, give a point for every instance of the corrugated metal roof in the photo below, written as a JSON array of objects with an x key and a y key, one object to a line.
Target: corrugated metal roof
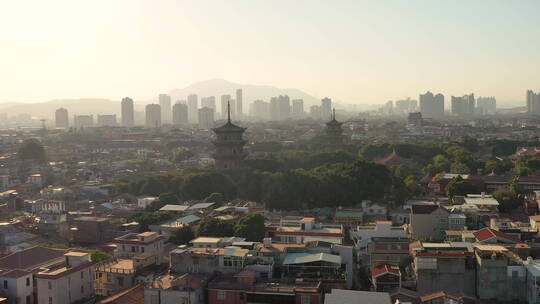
[
  {"x": 200, "y": 206},
  {"x": 302, "y": 258},
  {"x": 174, "y": 208},
  {"x": 188, "y": 219}
]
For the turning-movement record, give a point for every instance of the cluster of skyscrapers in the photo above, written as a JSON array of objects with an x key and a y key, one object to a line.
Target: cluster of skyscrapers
[{"x": 432, "y": 106}]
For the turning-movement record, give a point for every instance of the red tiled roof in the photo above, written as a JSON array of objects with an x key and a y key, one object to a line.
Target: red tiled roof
[
  {"x": 383, "y": 269},
  {"x": 488, "y": 233}
]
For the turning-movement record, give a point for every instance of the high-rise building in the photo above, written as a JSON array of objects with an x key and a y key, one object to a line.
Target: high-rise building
[
  {"x": 225, "y": 99},
  {"x": 61, "y": 118},
  {"x": 405, "y": 106},
  {"x": 206, "y": 118},
  {"x": 180, "y": 114},
  {"x": 128, "y": 114},
  {"x": 153, "y": 115},
  {"x": 463, "y": 106},
  {"x": 233, "y": 108},
  {"x": 284, "y": 105},
  {"x": 431, "y": 106},
  {"x": 533, "y": 102},
  {"x": 326, "y": 108},
  {"x": 260, "y": 109},
  {"x": 83, "y": 121},
  {"x": 193, "y": 108},
  {"x": 315, "y": 112},
  {"x": 239, "y": 104},
  {"x": 298, "y": 107},
  {"x": 165, "y": 104},
  {"x": 106, "y": 120},
  {"x": 486, "y": 105},
  {"x": 209, "y": 102},
  {"x": 274, "y": 108}
]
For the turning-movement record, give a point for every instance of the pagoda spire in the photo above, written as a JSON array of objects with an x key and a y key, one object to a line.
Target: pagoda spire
[{"x": 228, "y": 111}]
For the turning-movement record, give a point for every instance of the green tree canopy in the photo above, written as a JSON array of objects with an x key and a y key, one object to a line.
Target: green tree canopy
[
  {"x": 508, "y": 200},
  {"x": 216, "y": 228},
  {"x": 251, "y": 227},
  {"x": 32, "y": 149},
  {"x": 182, "y": 236},
  {"x": 216, "y": 197},
  {"x": 459, "y": 186}
]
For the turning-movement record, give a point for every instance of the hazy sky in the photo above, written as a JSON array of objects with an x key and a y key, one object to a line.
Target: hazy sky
[{"x": 353, "y": 51}]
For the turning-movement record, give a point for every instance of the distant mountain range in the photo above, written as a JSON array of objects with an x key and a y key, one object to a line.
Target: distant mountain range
[{"x": 212, "y": 87}]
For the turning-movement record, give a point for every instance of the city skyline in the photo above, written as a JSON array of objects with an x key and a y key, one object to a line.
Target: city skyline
[{"x": 358, "y": 52}]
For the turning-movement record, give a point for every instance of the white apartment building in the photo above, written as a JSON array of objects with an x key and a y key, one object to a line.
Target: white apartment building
[
  {"x": 363, "y": 235},
  {"x": 69, "y": 282}
]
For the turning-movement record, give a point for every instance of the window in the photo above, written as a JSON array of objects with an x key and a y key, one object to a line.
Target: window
[
  {"x": 221, "y": 295},
  {"x": 132, "y": 248},
  {"x": 82, "y": 275},
  {"x": 142, "y": 249},
  {"x": 49, "y": 284},
  {"x": 27, "y": 281},
  {"x": 5, "y": 284},
  {"x": 82, "y": 288},
  {"x": 50, "y": 300},
  {"x": 306, "y": 299},
  {"x": 28, "y": 300},
  {"x": 120, "y": 281}
]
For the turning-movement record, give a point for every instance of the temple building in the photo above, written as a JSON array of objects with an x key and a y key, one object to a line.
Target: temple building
[
  {"x": 229, "y": 145},
  {"x": 334, "y": 132}
]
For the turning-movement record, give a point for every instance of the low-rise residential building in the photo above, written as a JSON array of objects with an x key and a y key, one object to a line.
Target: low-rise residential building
[
  {"x": 532, "y": 281},
  {"x": 309, "y": 231},
  {"x": 500, "y": 274},
  {"x": 448, "y": 267},
  {"x": 363, "y": 235},
  {"x": 348, "y": 217},
  {"x": 243, "y": 288},
  {"x": 168, "y": 289},
  {"x": 385, "y": 277},
  {"x": 149, "y": 244},
  {"x": 428, "y": 222},
  {"x": 17, "y": 272},
  {"x": 203, "y": 260},
  {"x": 384, "y": 249},
  {"x": 69, "y": 282}
]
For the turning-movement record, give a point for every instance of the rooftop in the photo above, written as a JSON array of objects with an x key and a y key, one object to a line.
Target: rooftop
[
  {"x": 30, "y": 258},
  {"x": 342, "y": 296}
]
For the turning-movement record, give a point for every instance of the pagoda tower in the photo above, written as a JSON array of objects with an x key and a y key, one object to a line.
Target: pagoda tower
[
  {"x": 334, "y": 132},
  {"x": 229, "y": 145}
]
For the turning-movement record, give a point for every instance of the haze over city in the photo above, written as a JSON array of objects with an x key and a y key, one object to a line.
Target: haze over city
[{"x": 357, "y": 52}]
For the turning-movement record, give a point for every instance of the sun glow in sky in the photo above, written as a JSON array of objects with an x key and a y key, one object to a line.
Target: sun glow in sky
[{"x": 354, "y": 51}]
